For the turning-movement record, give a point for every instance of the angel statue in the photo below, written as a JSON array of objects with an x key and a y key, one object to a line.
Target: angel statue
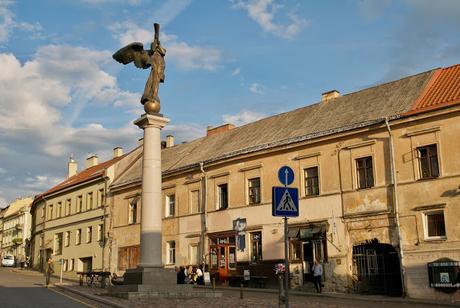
[{"x": 154, "y": 58}]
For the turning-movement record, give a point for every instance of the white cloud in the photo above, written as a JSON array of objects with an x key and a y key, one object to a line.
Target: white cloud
[
  {"x": 264, "y": 13},
  {"x": 185, "y": 131},
  {"x": 243, "y": 117},
  {"x": 236, "y": 71},
  {"x": 427, "y": 34},
  {"x": 256, "y": 88},
  {"x": 8, "y": 23},
  {"x": 36, "y": 131},
  {"x": 181, "y": 54}
]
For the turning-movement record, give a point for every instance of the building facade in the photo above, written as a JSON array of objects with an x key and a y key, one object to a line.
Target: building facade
[
  {"x": 378, "y": 175},
  {"x": 70, "y": 219},
  {"x": 16, "y": 226}
]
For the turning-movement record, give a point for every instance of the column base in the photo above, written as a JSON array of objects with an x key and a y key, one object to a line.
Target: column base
[{"x": 154, "y": 276}]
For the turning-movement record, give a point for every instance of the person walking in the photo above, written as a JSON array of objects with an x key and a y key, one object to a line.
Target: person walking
[
  {"x": 49, "y": 270},
  {"x": 317, "y": 270}
]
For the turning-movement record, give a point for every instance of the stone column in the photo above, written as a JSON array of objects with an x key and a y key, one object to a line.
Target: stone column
[{"x": 151, "y": 244}]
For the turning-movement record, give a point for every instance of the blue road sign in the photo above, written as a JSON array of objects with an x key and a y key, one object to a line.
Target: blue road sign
[
  {"x": 286, "y": 175},
  {"x": 285, "y": 201}
]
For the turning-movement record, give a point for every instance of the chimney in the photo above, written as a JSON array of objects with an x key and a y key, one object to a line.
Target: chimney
[
  {"x": 117, "y": 152},
  {"x": 219, "y": 129},
  {"x": 72, "y": 167},
  {"x": 91, "y": 161},
  {"x": 169, "y": 141},
  {"x": 140, "y": 141},
  {"x": 329, "y": 95}
]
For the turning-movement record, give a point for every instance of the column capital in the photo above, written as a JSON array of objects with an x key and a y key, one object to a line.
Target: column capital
[{"x": 147, "y": 120}]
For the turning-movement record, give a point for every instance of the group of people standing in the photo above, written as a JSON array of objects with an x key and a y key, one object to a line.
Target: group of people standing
[{"x": 190, "y": 275}]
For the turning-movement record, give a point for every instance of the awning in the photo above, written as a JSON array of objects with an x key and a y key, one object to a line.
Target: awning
[
  {"x": 308, "y": 231},
  {"x": 293, "y": 232}
]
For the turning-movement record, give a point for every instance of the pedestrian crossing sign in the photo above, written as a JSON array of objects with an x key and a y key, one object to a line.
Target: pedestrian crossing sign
[{"x": 285, "y": 201}]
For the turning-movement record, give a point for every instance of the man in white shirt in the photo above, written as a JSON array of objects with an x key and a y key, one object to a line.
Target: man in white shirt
[{"x": 317, "y": 270}]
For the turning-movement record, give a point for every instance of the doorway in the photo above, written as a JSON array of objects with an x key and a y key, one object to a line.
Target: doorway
[
  {"x": 222, "y": 252},
  {"x": 376, "y": 269},
  {"x": 87, "y": 264}
]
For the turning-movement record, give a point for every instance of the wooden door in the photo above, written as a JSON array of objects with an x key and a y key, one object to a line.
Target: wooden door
[{"x": 223, "y": 262}]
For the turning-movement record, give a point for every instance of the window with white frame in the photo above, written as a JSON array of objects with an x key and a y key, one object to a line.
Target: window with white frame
[
  {"x": 79, "y": 204},
  {"x": 170, "y": 206},
  {"x": 194, "y": 201},
  {"x": 254, "y": 191},
  {"x": 59, "y": 209},
  {"x": 89, "y": 201},
  {"x": 65, "y": 266},
  {"x": 435, "y": 227},
  {"x": 171, "y": 250},
  {"x": 89, "y": 234},
  {"x": 428, "y": 158},
  {"x": 72, "y": 264},
  {"x": 311, "y": 181},
  {"x": 68, "y": 205},
  {"x": 100, "y": 233},
  {"x": 78, "y": 237},
  {"x": 67, "y": 239},
  {"x": 132, "y": 217},
  {"x": 100, "y": 197},
  {"x": 365, "y": 172}
]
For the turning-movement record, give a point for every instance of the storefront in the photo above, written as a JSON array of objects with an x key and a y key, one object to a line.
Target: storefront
[
  {"x": 222, "y": 254},
  {"x": 307, "y": 242}
]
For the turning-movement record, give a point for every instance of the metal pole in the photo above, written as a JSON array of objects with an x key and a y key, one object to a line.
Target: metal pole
[
  {"x": 62, "y": 265},
  {"x": 286, "y": 264}
]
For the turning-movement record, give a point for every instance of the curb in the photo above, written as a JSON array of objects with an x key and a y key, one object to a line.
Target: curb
[
  {"x": 401, "y": 300},
  {"x": 27, "y": 272},
  {"x": 91, "y": 297}
]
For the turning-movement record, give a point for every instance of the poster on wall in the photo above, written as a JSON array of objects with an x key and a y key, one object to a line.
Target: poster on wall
[{"x": 239, "y": 225}]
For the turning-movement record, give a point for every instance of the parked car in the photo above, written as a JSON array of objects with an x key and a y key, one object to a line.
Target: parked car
[{"x": 8, "y": 261}]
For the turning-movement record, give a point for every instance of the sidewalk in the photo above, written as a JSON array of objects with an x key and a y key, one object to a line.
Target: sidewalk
[
  {"x": 98, "y": 294},
  {"x": 348, "y": 296}
]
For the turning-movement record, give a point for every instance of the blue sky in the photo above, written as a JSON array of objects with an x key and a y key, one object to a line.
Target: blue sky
[{"x": 227, "y": 61}]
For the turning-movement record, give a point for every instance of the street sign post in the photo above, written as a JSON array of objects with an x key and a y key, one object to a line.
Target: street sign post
[
  {"x": 285, "y": 203},
  {"x": 61, "y": 262}
]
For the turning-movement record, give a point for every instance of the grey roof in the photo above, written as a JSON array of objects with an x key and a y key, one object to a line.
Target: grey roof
[{"x": 358, "y": 109}]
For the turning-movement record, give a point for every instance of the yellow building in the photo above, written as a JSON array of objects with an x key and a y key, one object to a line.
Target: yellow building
[
  {"x": 70, "y": 219},
  {"x": 378, "y": 174},
  {"x": 16, "y": 225}
]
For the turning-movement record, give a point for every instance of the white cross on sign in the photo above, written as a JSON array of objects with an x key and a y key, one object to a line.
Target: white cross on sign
[{"x": 286, "y": 204}]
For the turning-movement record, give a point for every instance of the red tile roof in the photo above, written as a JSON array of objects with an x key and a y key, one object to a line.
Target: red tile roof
[
  {"x": 83, "y": 176},
  {"x": 442, "y": 90}
]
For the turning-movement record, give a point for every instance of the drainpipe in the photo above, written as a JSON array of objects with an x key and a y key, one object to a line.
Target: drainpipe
[
  {"x": 339, "y": 165},
  {"x": 205, "y": 207},
  {"x": 396, "y": 205},
  {"x": 104, "y": 204}
]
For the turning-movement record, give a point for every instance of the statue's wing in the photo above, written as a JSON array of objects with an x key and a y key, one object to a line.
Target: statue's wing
[{"x": 133, "y": 52}]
